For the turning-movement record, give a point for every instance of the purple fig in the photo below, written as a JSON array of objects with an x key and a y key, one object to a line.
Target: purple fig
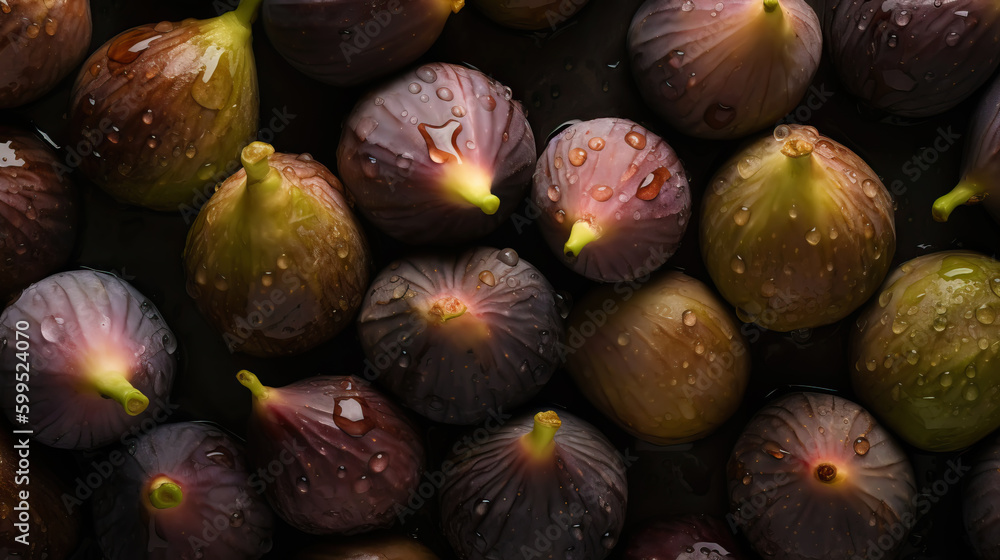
[
  {"x": 533, "y": 15},
  {"x": 348, "y": 42},
  {"x": 349, "y": 457},
  {"x": 549, "y": 474},
  {"x": 160, "y": 111},
  {"x": 814, "y": 477},
  {"x": 276, "y": 260},
  {"x": 38, "y": 211},
  {"x": 96, "y": 354},
  {"x": 41, "y": 42},
  {"x": 381, "y": 547},
  {"x": 683, "y": 537},
  {"x": 441, "y": 154},
  {"x": 456, "y": 338},
  {"x": 724, "y": 69},
  {"x": 183, "y": 492},
  {"x": 614, "y": 199},
  {"x": 913, "y": 58},
  {"x": 797, "y": 231},
  {"x": 981, "y": 502}
]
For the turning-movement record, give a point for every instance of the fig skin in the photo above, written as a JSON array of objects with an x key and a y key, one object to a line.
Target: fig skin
[
  {"x": 416, "y": 176},
  {"x": 913, "y": 58},
  {"x": 531, "y": 15},
  {"x": 682, "y": 537},
  {"x": 545, "y": 473},
  {"x": 805, "y": 239},
  {"x": 981, "y": 501},
  {"x": 455, "y": 338},
  {"x": 724, "y": 73},
  {"x": 814, "y": 477},
  {"x": 135, "y": 518},
  {"x": 370, "y": 38},
  {"x": 355, "y": 456},
  {"x": 39, "y": 212},
  {"x": 161, "y": 110},
  {"x": 276, "y": 260},
  {"x": 931, "y": 371},
  {"x": 381, "y": 547},
  {"x": 579, "y": 183},
  {"x": 668, "y": 364},
  {"x": 100, "y": 359},
  {"x": 40, "y": 44}
]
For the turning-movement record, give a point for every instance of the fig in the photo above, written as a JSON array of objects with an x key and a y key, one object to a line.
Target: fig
[
  {"x": 614, "y": 199},
  {"x": 350, "y": 457},
  {"x": 382, "y": 547},
  {"x": 543, "y": 486},
  {"x": 924, "y": 355},
  {"x": 667, "y": 363},
  {"x": 815, "y": 477},
  {"x": 183, "y": 491},
  {"x": 981, "y": 502},
  {"x": 41, "y": 42},
  {"x": 913, "y": 58},
  {"x": 348, "y": 42},
  {"x": 724, "y": 69},
  {"x": 454, "y": 338},
  {"x": 276, "y": 260},
  {"x": 95, "y": 353},
  {"x": 682, "y": 537},
  {"x": 440, "y": 154},
  {"x": 532, "y": 15},
  {"x": 797, "y": 231},
  {"x": 38, "y": 211},
  {"x": 160, "y": 112}
]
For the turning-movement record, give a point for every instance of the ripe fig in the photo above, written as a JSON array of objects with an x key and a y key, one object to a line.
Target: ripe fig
[
  {"x": 533, "y": 15},
  {"x": 95, "y": 353},
  {"x": 441, "y": 154},
  {"x": 667, "y": 364},
  {"x": 276, "y": 260},
  {"x": 614, "y": 199},
  {"x": 176, "y": 481},
  {"x": 38, "y": 211},
  {"x": 913, "y": 58},
  {"x": 41, "y": 42},
  {"x": 350, "y": 457},
  {"x": 924, "y": 355},
  {"x": 981, "y": 502},
  {"x": 724, "y": 69},
  {"x": 160, "y": 112},
  {"x": 797, "y": 231},
  {"x": 551, "y": 474},
  {"x": 348, "y": 42},
  {"x": 454, "y": 338},
  {"x": 683, "y": 537},
  {"x": 381, "y": 547},
  {"x": 814, "y": 477}
]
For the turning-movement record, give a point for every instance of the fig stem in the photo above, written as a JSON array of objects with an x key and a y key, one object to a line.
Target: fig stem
[
  {"x": 165, "y": 494},
  {"x": 583, "y": 232},
  {"x": 260, "y": 175},
  {"x": 966, "y": 192},
  {"x": 826, "y": 473},
  {"x": 250, "y": 381},
  {"x": 472, "y": 185},
  {"x": 115, "y": 386},
  {"x": 770, "y": 5},
  {"x": 457, "y": 5},
  {"x": 447, "y": 308},
  {"x": 246, "y": 11},
  {"x": 538, "y": 441}
]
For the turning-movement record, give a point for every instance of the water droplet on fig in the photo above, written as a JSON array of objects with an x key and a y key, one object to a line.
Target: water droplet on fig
[
  {"x": 985, "y": 314},
  {"x": 482, "y": 507},
  {"x": 741, "y": 216},
  {"x": 689, "y": 318},
  {"x": 236, "y": 519},
  {"x": 747, "y": 479},
  {"x": 608, "y": 541},
  {"x": 738, "y": 265},
  {"x": 341, "y": 471},
  {"x": 379, "y": 102},
  {"x": 940, "y": 323},
  {"x": 560, "y": 216},
  {"x": 404, "y": 360},
  {"x": 52, "y": 328},
  {"x": 718, "y": 116},
  {"x": 414, "y": 88},
  {"x": 601, "y": 193},
  {"x": 891, "y": 41},
  {"x": 222, "y": 456},
  {"x": 596, "y": 143},
  {"x": 687, "y": 6},
  {"x": 445, "y": 94},
  {"x": 623, "y": 339},
  {"x": 554, "y": 194},
  {"x": 813, "y": 237},
  {"x": 458, "y": 111},
  {"x": 636, "y": 216},
  {"x": 774, "y": 450},
  {"x": 487, "y": 102},
  {"x": 508, "y": 257},
  {"x": 353, "y": 416},
  {"x": 971, "y": 393},
  {"x": 424, "y": 98},
  {"x": 379, "y": 462},
  {"x": 781, "y": 132},
  {"x": 635, "y": 140},
  {"x": 748, "y": 166},
  {"x": 902, "y": 18},
  {"x": 861, "y": 446},
  {"x": 577, "y": 157},
  {"x": 486, "y": 277},
  {"x": 513, "y": 282}
]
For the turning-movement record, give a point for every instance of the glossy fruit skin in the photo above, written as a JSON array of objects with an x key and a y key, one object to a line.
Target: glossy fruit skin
[
  {"x": 381, "y": 455},
  {"x": 532, "y": 15},
  {"x": 348, "y": 42},
  {"x": 785, "y": 509},
  {"x": 682, "y": 537},
  {"x": 723, "y": 73},
  {"x": 980, "y": 501},
  {"x": 581, "y": 486},
  {"x": 668, "y": 364},
  {"x": 211, "y": 468},
  {"x": 40, "y": 44},
  {"x": 376, "y": 547},
  {"x": 390, "y": 170},
  {"x": 617, "y": 158},
  {"x": 293, "y": 264},
  {"x": 804, "y": 239},
  {"x": 164, "y": 133},
  {"x": 931, "y": 372},
  {"x": 913, "y": 58},
  {"x": 38, "y": 211},
  {"x": 107, "y": 326},
  {"x": 496, "y": 355}
]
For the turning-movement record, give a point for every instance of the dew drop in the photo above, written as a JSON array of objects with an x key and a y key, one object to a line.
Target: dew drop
[
  {"x": 353, "y": 416},
  {"x": 601, "y": 193},
  {"x": 508, "y": 257},
  {"x": 813, "y": 237},
  {"x": 891, "y": 41},
  {"x": 445, "y": 94},
  {"x": 482, "y": 507},
  {"x": 624, "y": 338},
  {"x": 560, "y": 216},
  {"x": 414, "y": 88},
  {"x": 741, "y": 216},
  {"x": 748, "y": 166},
  {"x": 379, "y": 462},
  {"x": 147, "y": 116},
  {"x": 362, "y": 485},
  {"x": 971, "y": 393},
  {"x": 773, "y": 449},
  {"x": 554, "y": 194},
  {"x": 687, "y": 6},
  {"x": 596, "y": 143},
  {"x": 636, "y": 215},
  {"x": 191, "y": 151},
  {"x": 577, "y": 157},
  {"x": 861, "y": 446},
  {"x": 940, "y": 323},
  {"x": 221, "y": 456},
  {"x": 985, "y": 314},
  {"x": 869, "y": 187},
  {"x": 747, "y": 479},
  {"x": 737, "y": 265},
  {"x": 236, "y": 520},
  {"x": 635, "y": 140},
  {"x": 689, "y": 318},
  {"x": 302, "y": 484},
  {"x": 458, "y": 111},
  {"x": 781, "y": 132},
  {"x": 486, "y": 277},
  {"x": 902, "y": 18}
]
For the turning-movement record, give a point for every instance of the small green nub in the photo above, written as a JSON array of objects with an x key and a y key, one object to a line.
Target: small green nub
[
  {"x": 251, "y": 382},
  {"x": 166, "y": 495},
  {"x": 770, "y": 5}
]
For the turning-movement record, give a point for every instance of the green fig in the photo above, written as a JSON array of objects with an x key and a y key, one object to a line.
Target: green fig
[
  {"x": 159, "y": 111},
  {"x": 276, "y": 260}
]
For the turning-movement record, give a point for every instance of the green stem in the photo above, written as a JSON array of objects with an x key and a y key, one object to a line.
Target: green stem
[
  {"x": 115, "y": 386},
  {"x": 583, "y": 232},
  {"x": 538, "y": 442},
  {"x": 260, "y": 175},
  {"x": 770, "y": 5},
  {"x": 246, "y": 12},
  {"x": 448, "y": 308},
  {"x": 250, "y": 381},
  {"x": 165, "y": 494},
  {"x": 472, "y": 185},
  {"x": 967, "y": 192},
  {"x": 457, "y": 5}
]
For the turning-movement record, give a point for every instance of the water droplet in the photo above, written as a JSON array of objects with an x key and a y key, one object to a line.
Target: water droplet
[
  {"x": 482, "y": 507},
  {"x": 379, "y": 462},
  {"x": 774, "y": 449},
  {"x": 53, "y": 329},
  {"x": 601, "y": 193},
  {"x": 554, "y": 194},
  {"x": 623, "y": 339},
  {"x": 508, "y": 257},
  {"x": 861, "y": 446},
  {"x": 147, "y": 116},
  {"x": 486, "y": 277},
  {"x": 940, "y": 323},
  {"x": 341, "y": 471},
  {"x": 747, "y": 479},
  {"x": 985, "y": 314},
  {"x": 652, "y": 184},
  {"x": 687, "y": 6},
  {"x": 636, "y": 215},
  {"x": 902, "y": 18},
  {"x": 512, "y": 282},
  {"x": 560, "y": 216},
  {"x": 458, "y": 111},
  {"x": 737, "y": 265},
  {"x": 869, "y": 187},
  {"x": 718, "y": 116},
  {"x": 424, "y": 98},
  {"x": 891, "y": 41},
  {"x": 445, "y": 94},
  {"x": 222, "y": 456},
  {"x": 577, "y": 157},
  {"x": 635, "y": 140},
  {"x": 596, "y": 143},
  {"x": 236, "y": 519},
  {"x": 741, "y": 216},
  {"x": 362, "y": 485},
  {"x": 191, "y": 151},
  {"x": 689, "y": 318},
  {"x": 813, "y": 237},
  {"x": 379, "y": 101},
  {"x": 487, "y": 102},
  {"x": 971, "y": 393},
  {"x": 221, "y": 283},
  {"x": 576, "y": 532},
  {"x": 414, "y": 88},
  {"x": 353, "y": 416}
]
